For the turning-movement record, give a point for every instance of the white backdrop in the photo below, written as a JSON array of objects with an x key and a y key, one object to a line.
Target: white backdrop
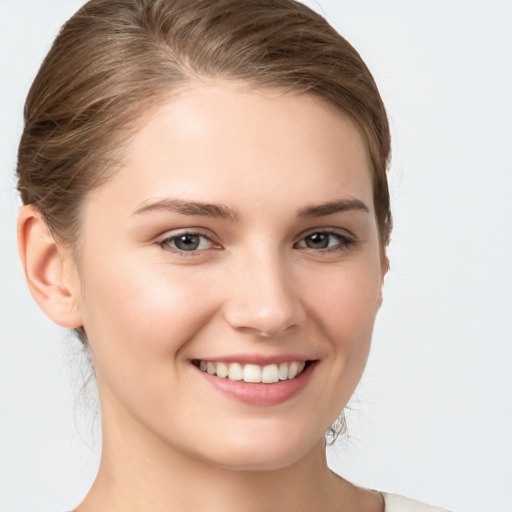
[{"x": 432, "y": 418}]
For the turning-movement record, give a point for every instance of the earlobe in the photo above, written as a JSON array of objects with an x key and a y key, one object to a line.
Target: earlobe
[{"x": 47, "y": 269}]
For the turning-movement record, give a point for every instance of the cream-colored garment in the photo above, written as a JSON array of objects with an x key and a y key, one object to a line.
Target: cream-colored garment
[{"x": 396, "y": 503}]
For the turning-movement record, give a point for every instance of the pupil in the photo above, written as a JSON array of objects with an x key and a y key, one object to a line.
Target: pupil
[
  {"x": 187, "y": 242},
  {"x": 317, "y": 241}
]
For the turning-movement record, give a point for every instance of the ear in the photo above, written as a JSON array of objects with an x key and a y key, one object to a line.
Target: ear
[
  {"x": 50, "y": 270},
  {"x": 384, "y": 265}
]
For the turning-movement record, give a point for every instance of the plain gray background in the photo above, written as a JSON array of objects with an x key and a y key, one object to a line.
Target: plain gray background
[{"x": 432, "y": 418}]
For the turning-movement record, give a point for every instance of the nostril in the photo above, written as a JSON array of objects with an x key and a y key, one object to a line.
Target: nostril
[{"x": 266, "y": 324}]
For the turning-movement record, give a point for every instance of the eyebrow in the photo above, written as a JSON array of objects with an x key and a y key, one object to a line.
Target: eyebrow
[
  {"x": 331, "y": 207},
  {"x": 219, "y": 211},
  {"x": 189, "y": 208}
]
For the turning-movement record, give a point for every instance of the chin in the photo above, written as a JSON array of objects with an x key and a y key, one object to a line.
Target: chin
[
  {"x": 264, "y": 450},
  {"x": 250, "y": 461}
]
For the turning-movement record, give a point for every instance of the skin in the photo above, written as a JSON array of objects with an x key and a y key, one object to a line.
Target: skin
[{"x": 252, "y": 287}]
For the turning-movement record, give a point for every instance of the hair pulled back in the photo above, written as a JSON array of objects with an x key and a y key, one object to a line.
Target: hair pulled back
[{"x": 114, "y": 59}]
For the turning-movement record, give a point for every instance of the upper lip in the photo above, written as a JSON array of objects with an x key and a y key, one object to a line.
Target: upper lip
[{"x": 261, "y": 360}]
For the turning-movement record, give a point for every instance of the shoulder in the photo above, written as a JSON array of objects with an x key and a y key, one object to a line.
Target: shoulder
[{"x": 396, "y": 503}]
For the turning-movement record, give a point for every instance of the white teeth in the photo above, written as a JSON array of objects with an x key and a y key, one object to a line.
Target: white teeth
[
  {"x": 222, "y": 370},
  {"x": 235, "y": 372},
  {"x": 254, "y": 373},
  {"x": 292, "y": 369},
  {"x": 270, "y": 374}
]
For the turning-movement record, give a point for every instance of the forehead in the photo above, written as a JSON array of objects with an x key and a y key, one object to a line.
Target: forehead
[{"x": 225, "y": 141}]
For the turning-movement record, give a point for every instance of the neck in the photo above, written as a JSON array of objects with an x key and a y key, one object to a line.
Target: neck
[
  {"x": 141, "y": 472},
  {"x": 150, "y": 477}
]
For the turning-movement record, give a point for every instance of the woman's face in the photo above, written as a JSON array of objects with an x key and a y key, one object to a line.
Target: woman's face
[{"x": 238, "y": 238}]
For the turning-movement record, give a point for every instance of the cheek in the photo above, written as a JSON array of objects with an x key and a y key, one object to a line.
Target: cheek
[
  {"x": 346, "y": 311},
  {"x": 347, "y": 300},
  {"x": 136, "y": 314}
]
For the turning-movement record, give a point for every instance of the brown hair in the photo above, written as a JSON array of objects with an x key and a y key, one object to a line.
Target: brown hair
[{"x": 115, "y": 58}]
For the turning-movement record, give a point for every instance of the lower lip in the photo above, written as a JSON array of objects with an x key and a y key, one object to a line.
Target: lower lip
[{"x": 260, "y": 394}]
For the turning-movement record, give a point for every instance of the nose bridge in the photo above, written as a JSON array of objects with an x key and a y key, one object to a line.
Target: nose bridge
[{"x": 263, "y": 297}]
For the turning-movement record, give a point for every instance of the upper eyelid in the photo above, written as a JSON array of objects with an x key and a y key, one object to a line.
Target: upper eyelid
[
  {"x": 329, "y": 230},
  {"x": 175, "y": 233}
]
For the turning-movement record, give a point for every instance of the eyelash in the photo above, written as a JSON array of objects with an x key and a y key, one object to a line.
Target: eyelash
[
  {"x": 343, "y": 242},
  {"x": 165, "y": 243}
]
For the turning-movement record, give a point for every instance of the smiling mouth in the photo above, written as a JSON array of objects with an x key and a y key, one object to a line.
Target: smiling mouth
[{"x": 253, "y": 373}]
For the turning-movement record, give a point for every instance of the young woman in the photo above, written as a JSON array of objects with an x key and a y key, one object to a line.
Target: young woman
[{"x": 206, "y": 205}]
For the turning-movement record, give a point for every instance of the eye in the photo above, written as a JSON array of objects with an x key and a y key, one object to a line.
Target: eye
[
  {"x": 325, "y": 240},
  {"x": 187, "y": 242}
]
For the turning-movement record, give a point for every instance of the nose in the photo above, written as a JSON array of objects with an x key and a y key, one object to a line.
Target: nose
[{"x": 263, "y": 298}]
